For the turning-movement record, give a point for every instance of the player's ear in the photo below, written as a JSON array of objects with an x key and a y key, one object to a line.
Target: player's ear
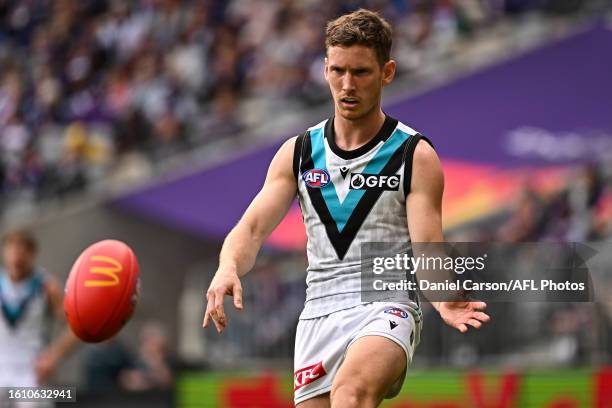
[
  {"x": 326, "y": 69},
  {"x": 388, "y": 72}
]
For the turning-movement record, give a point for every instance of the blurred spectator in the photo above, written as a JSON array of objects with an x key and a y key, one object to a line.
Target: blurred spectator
[
  {"x": 569, "y": 215},
  {"x": 524, "y": 222},
  {"x": 152, "y": 367},
  {"x": 113, "y": 365},
  {"x": 104, "y": 363}
]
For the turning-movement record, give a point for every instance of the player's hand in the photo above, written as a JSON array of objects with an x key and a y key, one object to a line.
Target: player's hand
[
  {"x": 224, "y": 283},
  {"x": 461, "y": 314},
  {"x": 45, "y": 366}
]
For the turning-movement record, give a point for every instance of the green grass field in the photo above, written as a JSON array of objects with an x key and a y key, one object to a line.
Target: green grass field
[{"x": 422, "y": 389}]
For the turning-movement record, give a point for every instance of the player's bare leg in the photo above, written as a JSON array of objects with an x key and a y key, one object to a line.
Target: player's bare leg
[
  {"x": 372, "y": 365},
  {"x": 320, "y": 401}
]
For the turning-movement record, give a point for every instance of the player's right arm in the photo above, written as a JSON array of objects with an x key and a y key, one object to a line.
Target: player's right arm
[{"x": 242, "y": 244}]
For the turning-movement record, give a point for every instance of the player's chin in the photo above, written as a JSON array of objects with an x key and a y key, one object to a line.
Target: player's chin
[{"x": 350, "y": 113}]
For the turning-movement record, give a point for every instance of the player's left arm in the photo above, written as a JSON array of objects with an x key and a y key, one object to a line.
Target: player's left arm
[
  {"x": 424, "y": 213},
  {"x": 50, "y": 357}
]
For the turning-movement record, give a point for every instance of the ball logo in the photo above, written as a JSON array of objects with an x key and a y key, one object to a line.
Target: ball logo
[
  {"x": 110, "y": 270},
  {"x": 363, "y": 181},
  {"x": 316, "y": 178}
]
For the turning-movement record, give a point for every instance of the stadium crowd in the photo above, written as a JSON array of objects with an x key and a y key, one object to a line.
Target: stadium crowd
[{"x": 83, "y": 82}]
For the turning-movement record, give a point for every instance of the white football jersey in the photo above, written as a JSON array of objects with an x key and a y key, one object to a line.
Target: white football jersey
[
  {"x": 348, "y": 198},
  {"x": 24, "y": 327}
]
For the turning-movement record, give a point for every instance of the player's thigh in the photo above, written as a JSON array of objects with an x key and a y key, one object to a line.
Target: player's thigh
[
  {"x": 373, "y": 364},
  {"x": 320, "y": 401}
]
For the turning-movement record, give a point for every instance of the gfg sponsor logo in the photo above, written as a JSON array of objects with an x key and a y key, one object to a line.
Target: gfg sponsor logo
[
  {"x": 364, "y": 181},
  {"x": 307, "y": 375},
  {"x": 315, "y": 178}
]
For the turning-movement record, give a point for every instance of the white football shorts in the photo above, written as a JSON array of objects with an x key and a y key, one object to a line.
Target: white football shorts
[{"x": 321, "y": 343}]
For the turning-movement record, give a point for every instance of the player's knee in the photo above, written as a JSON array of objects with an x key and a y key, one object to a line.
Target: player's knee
[{"x": 352, "y": 394}]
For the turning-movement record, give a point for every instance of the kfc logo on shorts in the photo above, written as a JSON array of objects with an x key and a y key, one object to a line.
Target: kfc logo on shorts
[
  {"x": 316, "y": 178},
  {"x": 397, "y": 312},
  {"x": 307, "y": 375}
]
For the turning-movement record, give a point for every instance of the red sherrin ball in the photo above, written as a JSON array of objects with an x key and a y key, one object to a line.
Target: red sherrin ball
[{"x": 102, "y": 290}]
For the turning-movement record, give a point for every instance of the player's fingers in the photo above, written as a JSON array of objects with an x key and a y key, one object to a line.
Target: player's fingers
[
  {"x": 212, "y": 313},
  {"x": 207, "y": 311},
  {"x": 218, "y": 307},
  {"x": 218, "y": 325},
  {"x": 43, "y": 368},
  {"x": 205, "y": 321},
  {"x": 474, "y": 323},
  {"x": 479, "y": 305},
  {"x": 208, "y": 316},
  {"x": 210, "y": 302},
  {"x": 483, "y": 317},
  {"x": 238, "y": 296},
  {"x": 462, "y": 328}
]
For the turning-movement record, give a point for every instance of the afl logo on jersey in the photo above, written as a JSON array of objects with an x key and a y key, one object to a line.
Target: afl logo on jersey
[{"x": 316, "y": 178}]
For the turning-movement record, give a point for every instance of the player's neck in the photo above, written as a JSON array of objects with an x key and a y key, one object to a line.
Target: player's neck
[
  {"x": 17, "y": 276},
  {"x": 352, "y": 134}
]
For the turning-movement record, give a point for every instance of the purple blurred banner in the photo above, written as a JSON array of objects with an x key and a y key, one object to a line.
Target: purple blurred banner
[
  {"x": 551, "y": 106},
  {"x": 207, "y": 203}
]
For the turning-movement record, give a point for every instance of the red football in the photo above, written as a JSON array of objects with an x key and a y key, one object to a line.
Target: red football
[{"x": 102, "y": 290}]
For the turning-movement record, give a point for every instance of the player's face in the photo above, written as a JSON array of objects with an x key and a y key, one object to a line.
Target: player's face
[
  {"x": 18, "y": 260},
  {"x": 356, "y": 79}
]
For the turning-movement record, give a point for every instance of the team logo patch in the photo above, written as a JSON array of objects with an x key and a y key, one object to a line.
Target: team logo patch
[
  {"x": 364, "y": 181},
  {"x": 397, "y": 312},
  {"x": 306, "y": 375},
  {"x": 316, "y": 178}
]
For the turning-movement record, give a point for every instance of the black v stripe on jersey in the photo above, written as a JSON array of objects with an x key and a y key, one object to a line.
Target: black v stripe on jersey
[
  {"x": 13, "y": 316},
  {"x": 341, "y": 241}
]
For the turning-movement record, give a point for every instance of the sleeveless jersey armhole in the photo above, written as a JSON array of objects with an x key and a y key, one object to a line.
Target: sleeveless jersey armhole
[
  {"x": 297, "y": 154},
  {"x": 408, "y": 156}
]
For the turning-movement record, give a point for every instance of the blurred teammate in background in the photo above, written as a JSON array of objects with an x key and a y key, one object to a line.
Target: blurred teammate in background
[
  {"x": 30, "y": 300},
  {"x": 348, "y": 353}
]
